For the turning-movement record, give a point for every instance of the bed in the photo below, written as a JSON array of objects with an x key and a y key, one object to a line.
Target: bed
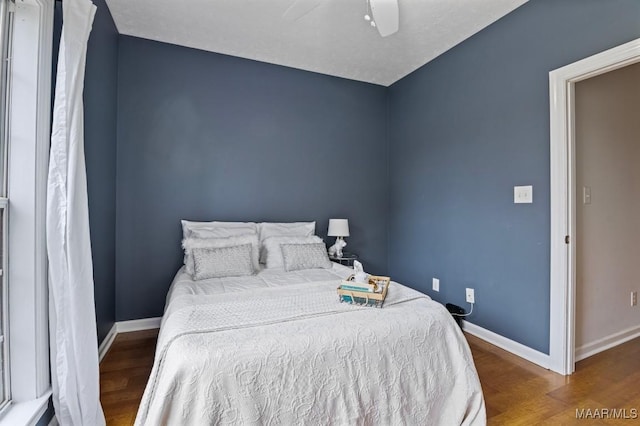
[{"x": 278, "y": 348}]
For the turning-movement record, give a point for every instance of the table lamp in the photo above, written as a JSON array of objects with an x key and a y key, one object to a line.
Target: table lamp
[{"x": 338, "y": 228}]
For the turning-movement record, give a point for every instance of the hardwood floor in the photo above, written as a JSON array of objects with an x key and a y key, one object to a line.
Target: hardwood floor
[
  {"x": 124, "y": 372},
  {"x": 516, "y": 391}
]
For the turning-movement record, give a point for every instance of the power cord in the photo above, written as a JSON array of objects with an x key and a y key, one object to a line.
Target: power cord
[{"x": 464, "y": 315}]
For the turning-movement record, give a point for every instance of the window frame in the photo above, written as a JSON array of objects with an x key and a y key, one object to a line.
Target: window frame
[
  {"x": 5, "y": 50},
  {"x": 6, "y": 377},
  {"x": 6, "y": 16},
  {"x": 28, "y": 156}
]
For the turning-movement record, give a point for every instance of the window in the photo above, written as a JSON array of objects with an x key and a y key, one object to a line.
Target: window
[
  {"x": 26, "y": 127},
  {"x": 5, "y": 37},
  {"x": 4, "y": 341}
]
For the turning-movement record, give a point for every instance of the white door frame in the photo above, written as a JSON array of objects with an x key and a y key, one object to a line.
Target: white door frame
[{"x": 563, "y": 198}]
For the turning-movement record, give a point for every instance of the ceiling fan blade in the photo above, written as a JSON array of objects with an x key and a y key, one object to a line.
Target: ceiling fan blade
[
  {"x": 385, "y": 14},
  {"x": 300, "y": 8}
]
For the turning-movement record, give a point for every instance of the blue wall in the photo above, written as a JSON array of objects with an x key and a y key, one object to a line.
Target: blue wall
[
  {"x": 204, "y": 136},
  {"x": 100, "y": 96},
  {"x": 466, "y": 128}
]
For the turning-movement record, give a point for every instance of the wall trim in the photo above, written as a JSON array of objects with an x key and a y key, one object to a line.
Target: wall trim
[
  {"x": 138, "y": 324},
  {"x": 126, "y": 327},
  {"x": 562, "y": 278},
  {"x": 43, "y": 134},
  {"x": 508, "y": 345},
  {"x": 608, "y": 342},
  {"x": 107, "y": 342}
]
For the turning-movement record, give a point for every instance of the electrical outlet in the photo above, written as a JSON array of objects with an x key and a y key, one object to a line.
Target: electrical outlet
[
  {"x": 634, "y": 298},
  {"x": 471, "y": 295},
  {"x": 436, "y": 284}
]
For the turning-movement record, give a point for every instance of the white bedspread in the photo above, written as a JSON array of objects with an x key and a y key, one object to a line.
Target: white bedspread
[{"x": 268, "y": 350}]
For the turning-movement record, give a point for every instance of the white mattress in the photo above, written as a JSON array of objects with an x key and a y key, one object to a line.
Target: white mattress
[{"x": 278, "y": 348}]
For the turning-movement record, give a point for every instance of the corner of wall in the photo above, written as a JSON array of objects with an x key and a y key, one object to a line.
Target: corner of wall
[
  {"x": 388, "y": 156},
  {"x": 116, "y": 174}
]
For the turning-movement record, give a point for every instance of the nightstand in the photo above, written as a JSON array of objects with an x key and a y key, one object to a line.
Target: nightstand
[{"x": 346, "y": 259}]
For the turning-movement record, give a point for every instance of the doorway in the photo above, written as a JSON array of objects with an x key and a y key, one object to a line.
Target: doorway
[
  {"x": 562, "y": 84},
  {"x": 607, "y": 129}
]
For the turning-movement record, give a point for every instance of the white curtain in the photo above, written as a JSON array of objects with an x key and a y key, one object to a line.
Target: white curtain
[{"x": 74, "y": 352}]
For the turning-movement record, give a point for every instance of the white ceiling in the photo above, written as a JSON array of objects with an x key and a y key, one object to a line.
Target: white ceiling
[{"x": 332, "y": 39}]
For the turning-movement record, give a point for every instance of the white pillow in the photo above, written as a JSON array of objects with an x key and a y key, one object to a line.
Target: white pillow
[
  {"x": 188, "y": 244},
  {"x": 221, "y": 232},
  {"x": 220, "y": 262},
  {"x": 273, "y": 252},
  {"x": 274, "y": 229},
  {"x": 232, "y": 228},
  {"x": 297, "y": 257}
]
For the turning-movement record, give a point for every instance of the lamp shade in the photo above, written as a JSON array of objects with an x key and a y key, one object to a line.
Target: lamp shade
[{"x": 338, "y": 228}]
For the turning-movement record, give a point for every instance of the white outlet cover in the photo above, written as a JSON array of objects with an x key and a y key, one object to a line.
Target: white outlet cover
[
  {"x": 436, "y": 284},
  {"x": 523, "y": 194},
  {"x": 470, "y": 295}
]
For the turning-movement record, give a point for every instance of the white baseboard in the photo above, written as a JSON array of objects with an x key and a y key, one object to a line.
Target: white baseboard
[
  {"x": 125, "y": 327},
  {"x": 508, "y": 345},
  {"x": 615, "y": 339},
  {"x": 106, "y": 343},
  {"x": 138, "y": 325}
]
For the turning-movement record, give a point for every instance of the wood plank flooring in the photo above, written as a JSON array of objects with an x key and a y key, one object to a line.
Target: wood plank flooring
[
  {"x": 516, "y": 391},
  {"x": 124, "y": 372}
]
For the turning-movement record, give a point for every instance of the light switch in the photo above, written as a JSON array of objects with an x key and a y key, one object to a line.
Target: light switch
[
  {"x": 523, "y": 194},
  {"x": 586, "y": 195}
]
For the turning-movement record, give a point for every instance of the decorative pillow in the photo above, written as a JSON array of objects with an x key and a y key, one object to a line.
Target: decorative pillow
[
  {"x": 220, "y": 262},
  {"x": 232, "y": 228},
  {"x": 221, "y": 232},
  {"x": 189, "y": 244},
  {"x": 272, "y": 252},
  {"x": 297, "y": 229},
  {"x": 305, "y": 256}
]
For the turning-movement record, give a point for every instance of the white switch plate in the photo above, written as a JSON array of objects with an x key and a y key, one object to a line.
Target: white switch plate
[
  {"x": 471, "y": 295},
  {"x": 586, "y": 195},
  {"x": 523, "y": 194},
  {"x": 436, "y": 284},
  {"x": 634, "y": 298}
]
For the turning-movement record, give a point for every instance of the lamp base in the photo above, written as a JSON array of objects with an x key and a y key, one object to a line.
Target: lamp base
[{"x": 336, "y": 249}]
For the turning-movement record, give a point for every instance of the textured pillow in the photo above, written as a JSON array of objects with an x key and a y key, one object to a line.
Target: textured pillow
[
  {"x": 297, "y": 229},
  {"x": 220, "y": 262},
  {"x": 189, "y": 244},
  {"x": 232, "y": 228},
  {"x": 305, "y": 256},
  {"x": 216, "y": 230},
  {"x": 272, "y": 253}
]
